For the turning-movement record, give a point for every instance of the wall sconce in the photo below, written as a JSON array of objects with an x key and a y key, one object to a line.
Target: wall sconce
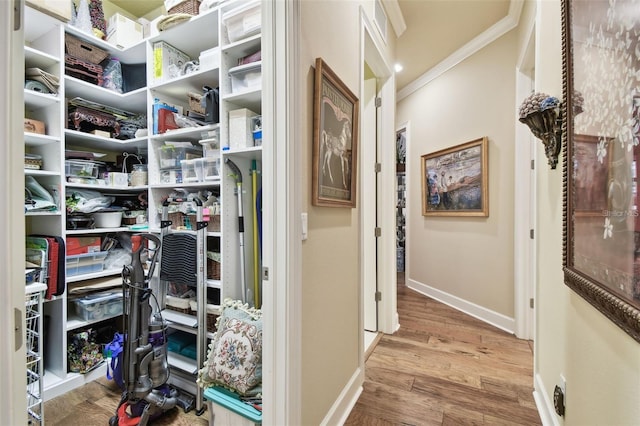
[{"x": 542, "y": 114}]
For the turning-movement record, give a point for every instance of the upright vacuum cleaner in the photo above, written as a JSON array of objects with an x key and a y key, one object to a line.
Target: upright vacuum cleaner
[{"x": 145, "y": 371}]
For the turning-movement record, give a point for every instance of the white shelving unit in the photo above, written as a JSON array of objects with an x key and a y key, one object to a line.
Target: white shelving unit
[{"x": 45, "y": 49}]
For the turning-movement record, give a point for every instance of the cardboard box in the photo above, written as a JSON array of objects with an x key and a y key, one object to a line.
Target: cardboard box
[
  {"x": 210, "y": 59},
  {"x": 82, "y": 245},
  {"x": 240, "y": 130},
  {"x": 123, "y": 32},
  {"x": 118, "y": 179},
  {"x": 167, "y": 62},
  {"x": 34, "y": 126}
]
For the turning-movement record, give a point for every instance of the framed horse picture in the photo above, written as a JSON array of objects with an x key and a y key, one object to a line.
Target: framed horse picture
[{"x": 335, "y": 140}]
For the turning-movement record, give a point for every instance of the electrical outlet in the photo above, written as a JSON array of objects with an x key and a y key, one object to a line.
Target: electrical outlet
[{"x": 560, "y": 396}]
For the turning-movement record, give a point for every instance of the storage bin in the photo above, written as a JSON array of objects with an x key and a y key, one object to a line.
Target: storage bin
[
  {"x": 243, "y": 21},
  {"x": 226, "y": 408},
  {"x": 192, "y": 170},
  {"x": 82, "y": 245},
  {"x": 81, "y": 168},
  {"x": 34, "y": 126},
  {"x": 178, "y": 340},
  {"x": 246, "y": 77},
  {"x": 189, "y": 7},
  {"x": 171, "y": 156},
  {"x": 98, "y": 306},
  {"x": 107, "y": 219},
  {"x": 88, "y": 263},
  {"x": 195, "y": 103},
  {"x": 178, "y": 304},
  {"x": 212, "y": 315},
  {"x": 211, "y": 168},
  {"x": 123, "y": 32},
  {"x": 240, "y": 131},
  {"x": 210, "y": 59},
  {"x": 168, "y": 61},
  {"x": 82, "y": 50},
  {"x": 171, "y": 176}
]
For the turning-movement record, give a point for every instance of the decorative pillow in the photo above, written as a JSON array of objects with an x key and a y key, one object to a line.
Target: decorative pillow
[{"x": 235, "y": 353}]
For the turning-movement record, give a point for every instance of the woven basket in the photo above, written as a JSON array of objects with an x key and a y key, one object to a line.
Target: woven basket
[
  {"x": 190, "y": 7},
  {"x": 181, "y": 310},
  {"x": 194, "y": 103},
  {"x": 214, "y": 222},
  {"x": 211, "y": 322},
  {"x": 84, "y": 51},
  {"x": 181, "y": 221},
  {"x": 213, "y": 269}
]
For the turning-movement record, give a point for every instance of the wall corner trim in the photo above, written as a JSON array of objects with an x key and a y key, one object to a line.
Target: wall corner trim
[
  {"x": 493, "y": 33},
  {"x": 394, "y": 13}
]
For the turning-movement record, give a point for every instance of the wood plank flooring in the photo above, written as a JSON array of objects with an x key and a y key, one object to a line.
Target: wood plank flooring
[
  {"x": 441, "y": 368},
  {"x": 93, "y": 404},
  {"x": 446, "y": 368}
]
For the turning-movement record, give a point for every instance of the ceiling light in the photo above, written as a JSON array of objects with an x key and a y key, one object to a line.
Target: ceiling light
[{"x": 397, "y": 67}]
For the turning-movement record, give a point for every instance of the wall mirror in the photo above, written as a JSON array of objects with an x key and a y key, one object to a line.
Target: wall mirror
[{"x": 601, "y": 135}]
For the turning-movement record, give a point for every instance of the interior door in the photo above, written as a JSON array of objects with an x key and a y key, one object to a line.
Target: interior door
[
  {"x": 368, "y": 151},
  {"x": 12, "y": 353}
]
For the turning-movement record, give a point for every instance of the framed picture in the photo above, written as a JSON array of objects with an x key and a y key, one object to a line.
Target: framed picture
[
  {"x": 455, "y": 180},
  {"x": 335, "y": 140},
  {"x": 601, "y": 224}
]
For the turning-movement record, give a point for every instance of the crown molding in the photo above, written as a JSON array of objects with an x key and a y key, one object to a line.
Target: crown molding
[
  {"x": 494, "y": 32},
  {"x": 394, "y": 13}
]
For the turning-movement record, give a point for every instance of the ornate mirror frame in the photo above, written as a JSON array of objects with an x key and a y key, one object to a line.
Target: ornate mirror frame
[{"x": 601, "y": 145}]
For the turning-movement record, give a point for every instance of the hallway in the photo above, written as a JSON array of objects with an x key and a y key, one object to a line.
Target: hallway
[{"x": 444, "y": 367}]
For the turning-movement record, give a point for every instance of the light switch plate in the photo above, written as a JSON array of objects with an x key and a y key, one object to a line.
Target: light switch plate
[{"x": 305, "y": 225}]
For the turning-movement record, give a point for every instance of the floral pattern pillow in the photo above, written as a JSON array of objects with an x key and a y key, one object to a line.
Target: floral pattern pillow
[{"x": 235, "y": 353}]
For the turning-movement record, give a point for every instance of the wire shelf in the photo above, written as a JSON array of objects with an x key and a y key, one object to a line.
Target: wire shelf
[{"x": 33, "y": 332}]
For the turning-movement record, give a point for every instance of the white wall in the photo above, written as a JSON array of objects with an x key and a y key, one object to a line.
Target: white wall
[
  {"x": 600, "y": 362},
  {"x": 467, "y": 260}
]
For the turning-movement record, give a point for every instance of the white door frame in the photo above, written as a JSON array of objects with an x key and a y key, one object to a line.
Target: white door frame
[
  {"x": 371, "y": 53},
  {"x": 281, "y": 172},
  {"x": 12, "y": 354},
  {"x": 368, "y": 156},
  {"x": 525, "y": 199}
]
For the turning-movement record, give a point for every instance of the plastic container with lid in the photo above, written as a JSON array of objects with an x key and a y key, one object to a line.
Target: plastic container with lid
[
  {"x": 243, "y": 21},
  {"x": 139, "y": 175}
]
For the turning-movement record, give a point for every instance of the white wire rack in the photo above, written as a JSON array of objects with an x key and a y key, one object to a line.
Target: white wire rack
[{"x": 34, "y": 293}]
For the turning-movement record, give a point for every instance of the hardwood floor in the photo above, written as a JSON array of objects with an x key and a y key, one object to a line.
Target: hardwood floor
[
  {"x": 95, "y": 403},
  {"x": 441, "y": 368},
  {"x": 446, "y": 368}
]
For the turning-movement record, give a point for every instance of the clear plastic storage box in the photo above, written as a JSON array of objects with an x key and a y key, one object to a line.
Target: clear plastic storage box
[
  {"x": 171, "y": 156},
  {"x": 211, "y": 168},
  {"x": 246, "y": 77},
  {"x": 86, "y": 263},
  {"x": 243, "y": 21},
  {"x": 81, "y": 168},
  {"x": 99, "y": 305}
]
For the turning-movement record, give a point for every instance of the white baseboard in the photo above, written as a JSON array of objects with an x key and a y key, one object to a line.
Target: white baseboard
[
  {"x": 544, "y": 404},
  {"x": 496, "y": 319},
  {"x": 343, "y": 405}
]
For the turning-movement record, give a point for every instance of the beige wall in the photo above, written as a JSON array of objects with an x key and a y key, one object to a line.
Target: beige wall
[
  {"x": 470, "y": 258},
  {"x": 600, "y": 362},
  {"x": 330, "y": 256}
]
